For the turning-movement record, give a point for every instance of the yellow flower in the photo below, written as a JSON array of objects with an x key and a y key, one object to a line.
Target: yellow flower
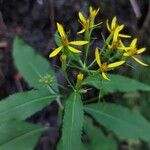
[
  {"x": 89, "y": 22},
  {"x": 104, "y": 67},
  {"x": 93, "y": 12},
  {"x": 115, "y": 29},
  {"x": 65, "y": 42},
  {"x": 132, "y": 50},
  {"x": 116, "y": 44},
  {"x": 63, "y": 58}
]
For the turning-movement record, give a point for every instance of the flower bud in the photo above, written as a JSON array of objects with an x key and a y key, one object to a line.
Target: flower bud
[
  {"x": 63, "y": 58},
  {"x": 80, "y": 77}
]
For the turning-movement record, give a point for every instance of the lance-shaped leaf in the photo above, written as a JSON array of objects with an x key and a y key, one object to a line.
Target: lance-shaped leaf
[
  {"x": 17, "y": 135},
  {"x": 22, "y": 105},
  {"x": 116, "y": 83},
  {"x": 31, "y": 65},
  {"x": 97, "y": 140},
  {"x": 121, "y": 120},
  {"x": 72, "y": 123}
]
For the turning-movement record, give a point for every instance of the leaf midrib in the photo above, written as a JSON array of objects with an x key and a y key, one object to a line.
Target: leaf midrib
[
  {"x": 72, "y": 119},
  {"x": 109, "y": 116},
  {"x": 21, "y": 136},
  {"x": 32, "y": 101}
]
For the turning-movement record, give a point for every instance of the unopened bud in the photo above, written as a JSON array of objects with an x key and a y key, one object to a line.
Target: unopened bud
[
  {"x": 63, "y": 58},
  {"x": 80, "y": 76}
]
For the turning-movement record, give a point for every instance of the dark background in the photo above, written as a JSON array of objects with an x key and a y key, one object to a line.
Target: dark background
[{"x": 35, "y": 21}]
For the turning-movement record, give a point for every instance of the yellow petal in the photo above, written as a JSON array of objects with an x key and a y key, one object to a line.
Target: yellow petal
[
  {"x": 124, "y": 48},
  {"x": 110, "y": 46},
  {"x": 116, "y": 64},
  {"x": 115, "y": 37},
  {"x": 95, "y": 25},
  {"x": 97, "y": 56},
  {"x": 91, "y": 9},
  {"x": 105, "y": 76},
  {"x": 126, "y": 54},
  {"x": 97, "y": 11},
  {"x": 124, "y": 36},
  {"x": 141, "y": 50},
  {"x": 61, "y": 30},
  {"x": 82, "y": 31},
  {"x": 133, "y": 43},
  {"x": 122, "y": 45},
  {"x": 73, "y": 49},
  {"x": 120, "y": 27},
  {"x": 108, "y": 27},
  {"x": 93, "y": 12},
  {"x": 55, "y": 51},
  {"x": 82, "y": 18},
  {"x": 139, "y": 61},
  {"x": 78, "y": 42},
  {"x": 113, "y": 23}
]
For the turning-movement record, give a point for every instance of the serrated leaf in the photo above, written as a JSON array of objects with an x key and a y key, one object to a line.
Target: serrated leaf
[
  {"x": 97, "y": 139},
  {"x": 31, "y": 65},
  {"x": 16, "y": 135},
  {"x": 121, "y": 120},
  {"x": 117, "y": 83},
  {"x": 22, "y": 105},
  {"x": 72, "y": 123}
]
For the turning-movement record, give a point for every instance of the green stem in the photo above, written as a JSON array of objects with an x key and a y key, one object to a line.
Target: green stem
[
  {"x": 66, "y": 76},
  {"x": 100, "y": 95},
  {"x": 81, "y": 63},
  {"x": 93, "y": 62},
  {"x": 73, "y": 66},
  {"x": 91, "y": 100},
  {"x": 58, "y": 98},
  {"x": 87, "y": 37},
  {"x": 106, "y": 42}
]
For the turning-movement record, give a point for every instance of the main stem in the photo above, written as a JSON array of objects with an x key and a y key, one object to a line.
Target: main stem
[{"x": 87, "y": 37}]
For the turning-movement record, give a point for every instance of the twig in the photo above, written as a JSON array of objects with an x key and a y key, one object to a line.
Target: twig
[
  {"x": 136, "y": 8},
  {"x": 145, "y": 23},
  {"x": 147, "y": 19}
]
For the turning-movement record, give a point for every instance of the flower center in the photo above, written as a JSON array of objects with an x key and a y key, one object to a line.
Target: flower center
[
  {"x": 132, "y": 51},
  {"x": 116, "y": 44},
  {"x": 65, "y": 41},
  {"x": 86, "y": 24},
  {"x": 104, "y": 67}
]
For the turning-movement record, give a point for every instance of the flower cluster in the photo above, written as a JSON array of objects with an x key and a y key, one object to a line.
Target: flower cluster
[
  {"x": 89, "y": 22},
  {"x": 113, "y": 53},
  {"x": 46, "y": 80}
]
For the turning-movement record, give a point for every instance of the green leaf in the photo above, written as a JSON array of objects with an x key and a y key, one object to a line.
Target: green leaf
[
  {"x": 72, "y": 123},
  {"x": 117, "y": 83},
  {"x": 97, "y": 139},
  {"x": 121, "y": 120},
  {"x": 22, "y": 105},
  {"x": 31, "y": 65},
  {"x": 16, "y": 135},
  {"x": 73, "y": 56},
  {"x": 57, "y": 39}
]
